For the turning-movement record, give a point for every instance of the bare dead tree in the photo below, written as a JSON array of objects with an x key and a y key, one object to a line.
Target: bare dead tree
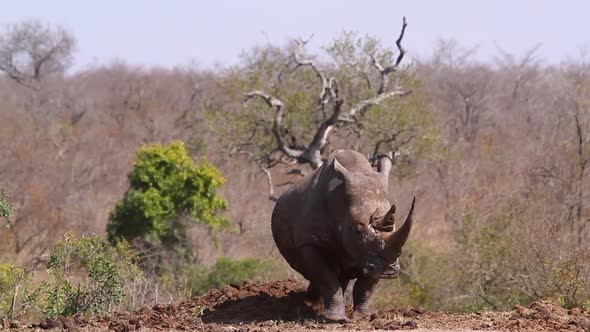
[
  {"x": 30, "y": 51},
  {"x": 563, "y": 169},
  {"x": 462, "y": 86},
  {"x": 583, "y": 156},
  {"x": 330, "y": 102}
]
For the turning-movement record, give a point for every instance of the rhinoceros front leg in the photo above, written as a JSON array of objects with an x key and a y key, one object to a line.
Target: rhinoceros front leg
[
  {"x": 347, "y": 286},
  {"x": 323, "y": 275},
  {"x": 361, "y": 295}
]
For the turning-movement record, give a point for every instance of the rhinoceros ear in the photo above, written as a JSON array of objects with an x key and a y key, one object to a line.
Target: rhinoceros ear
[{"x": 342, "y": 172}]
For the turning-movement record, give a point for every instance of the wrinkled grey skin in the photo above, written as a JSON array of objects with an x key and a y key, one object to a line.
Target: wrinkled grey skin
[{"x": 337, "y": 225}]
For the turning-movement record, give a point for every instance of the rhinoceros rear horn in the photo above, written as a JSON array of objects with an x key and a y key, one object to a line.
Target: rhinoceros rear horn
[
  {"x": 388, "y": 219},
  {"x": 386, "y": 223},
  {"x": 396, "y": 240}
]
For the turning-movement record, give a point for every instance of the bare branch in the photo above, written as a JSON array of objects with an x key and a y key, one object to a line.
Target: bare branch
[
  {"x": 271, "y": 191},
  {"x": 398, "y": 42},
  {"x": 278, "y": 106},
  {"x": 384, "y": 72},
  {"x": 297, "y": 57},
  {"x": 377, "y": 148},
  {"x": 300, "y": 62},
  {"x": 265, "y": 170},
  {"x": 320, "y": 138},
  {"x": 297, "y": 171},
  {"x": 543, "y": 172},
  {"x": 329, "y": 93},
  {"x": 363, "y": 104}
]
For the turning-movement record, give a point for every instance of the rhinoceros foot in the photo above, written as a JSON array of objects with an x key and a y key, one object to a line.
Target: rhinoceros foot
[
  {"x": 333, "y": 316},
  {"x": 359, "y": 314}
]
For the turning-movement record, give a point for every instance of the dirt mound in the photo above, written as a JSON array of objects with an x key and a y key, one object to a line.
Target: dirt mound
[
  {"x": 279, "y": 306},
  {"x": 248, "y": 304}
]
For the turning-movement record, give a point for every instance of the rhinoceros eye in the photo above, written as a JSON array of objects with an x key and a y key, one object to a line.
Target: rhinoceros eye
[{"x": 359, "y": 228}]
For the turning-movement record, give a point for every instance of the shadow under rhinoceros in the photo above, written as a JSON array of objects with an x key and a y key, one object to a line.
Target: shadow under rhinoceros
[{"x": 259, "y": 308}]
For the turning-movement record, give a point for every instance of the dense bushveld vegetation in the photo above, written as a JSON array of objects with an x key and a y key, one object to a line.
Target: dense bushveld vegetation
[{"x": 498, "y": 153}]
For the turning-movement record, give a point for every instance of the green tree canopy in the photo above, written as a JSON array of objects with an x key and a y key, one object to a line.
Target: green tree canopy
[
  {"x": 299, "y": 107},
  {"x": 167, "y": 189}
]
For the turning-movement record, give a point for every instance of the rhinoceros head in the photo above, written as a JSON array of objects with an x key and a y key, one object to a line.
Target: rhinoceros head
[
  {"x": 366, "y": 221},
  {"x": 383, "y": 260}
]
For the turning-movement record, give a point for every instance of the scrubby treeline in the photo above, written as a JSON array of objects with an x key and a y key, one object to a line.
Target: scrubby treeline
[{"x": 497, "y": 153}]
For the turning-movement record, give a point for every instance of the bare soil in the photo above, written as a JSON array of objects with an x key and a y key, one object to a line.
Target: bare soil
[{"x": 279, "y": 306}]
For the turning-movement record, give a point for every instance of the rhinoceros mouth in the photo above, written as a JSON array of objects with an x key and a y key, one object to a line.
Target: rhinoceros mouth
[
  {"x": 378, "y": 267},
  {"x": 391, "y": 272}
]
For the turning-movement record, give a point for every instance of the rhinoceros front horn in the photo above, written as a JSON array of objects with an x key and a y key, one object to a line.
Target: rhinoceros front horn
[{"x": 396, "y": 240}]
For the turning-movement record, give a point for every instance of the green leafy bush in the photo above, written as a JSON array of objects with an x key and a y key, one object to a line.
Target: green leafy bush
[
  {"x": 12, "y": 280},
  {"x": 225, "y": 271},
  {"x": 85, "y": 276},
  {"x": 164, "y": 186},
  {"x": 5, "y": 207}
]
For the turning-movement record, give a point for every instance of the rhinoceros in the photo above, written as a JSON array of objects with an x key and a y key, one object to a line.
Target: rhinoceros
[{"x": 337, "y": 225}]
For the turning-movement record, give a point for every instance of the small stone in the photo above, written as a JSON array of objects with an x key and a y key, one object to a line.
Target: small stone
[
  {"x": 575, "y": 311},
  {"x": 411, "y": 324},
  {"x": 419, "y": 310},
  {"x": 158, "y": 308},
  {"x": 519, "y": 309},
  {"x": 585, "y": 324},
  {"x": 414, "y": 312},
  {"x": 267, "y": 323},
  {"x": 54, "y": 324},
  {"x": 408, "y": 313},
  {"x": 116, "y": 327},
  {"x": 68, "y": 322},
  {"x": 373, "y": 316},
  {"x": 80, "y": 320}
]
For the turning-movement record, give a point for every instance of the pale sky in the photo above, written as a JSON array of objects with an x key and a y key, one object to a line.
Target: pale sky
[{"x": 175, "y": 32}]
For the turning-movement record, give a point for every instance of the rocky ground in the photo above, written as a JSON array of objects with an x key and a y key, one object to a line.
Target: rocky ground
[{"x": 279, "y": 306}]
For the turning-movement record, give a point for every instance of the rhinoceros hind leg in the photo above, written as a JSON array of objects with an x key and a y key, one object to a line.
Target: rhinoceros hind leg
[{"x": 313, "y": 297}]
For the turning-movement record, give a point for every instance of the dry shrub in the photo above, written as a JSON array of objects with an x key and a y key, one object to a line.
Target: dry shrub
[{"x": 516, "y": 253}]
